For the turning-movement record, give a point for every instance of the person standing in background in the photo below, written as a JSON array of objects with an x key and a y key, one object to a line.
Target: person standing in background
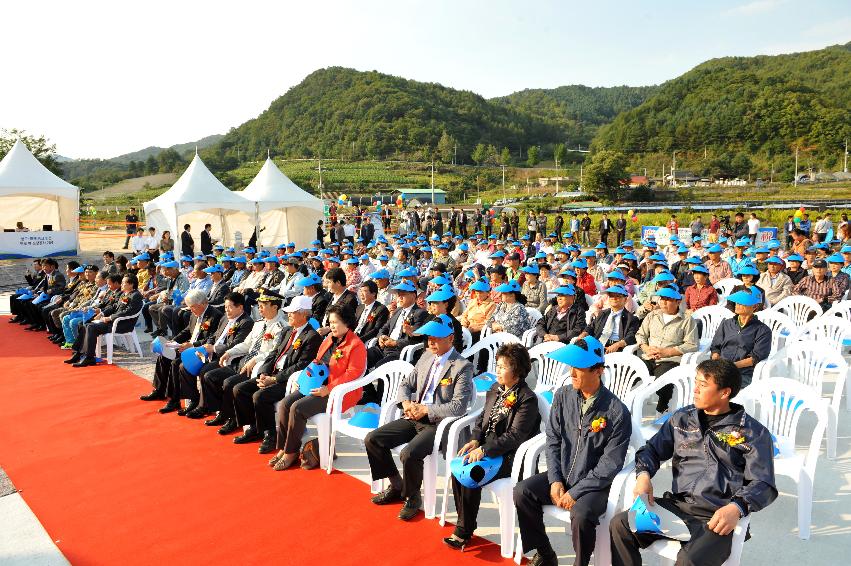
[
  {"x": 714, "y": 228},
  {"x": 620, "y": 229},
  {"x": 753, "y": 228},
  {"x": 187, "y": 242},
  {"x": 131, "y": 224}
]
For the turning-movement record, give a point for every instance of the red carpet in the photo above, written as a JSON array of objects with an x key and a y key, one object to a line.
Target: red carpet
[{"x": 115, "y": 482}]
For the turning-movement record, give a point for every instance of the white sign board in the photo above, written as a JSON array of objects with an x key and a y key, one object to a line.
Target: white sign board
[{"x": 15, "y": 245}]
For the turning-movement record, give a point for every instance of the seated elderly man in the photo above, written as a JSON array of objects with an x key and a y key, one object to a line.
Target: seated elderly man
[
  {"x": 588, "y": 434},
  {"x": 203, "y": 321},
  {"x": 563, "y": 322},
  {"x": 776, "y": 284},
  {"x": 664, "y": 336},
  {"x": 398, "y": 331},
  {"x": 440, "y": 386},
  {"x": 614, "y": 327},
  {"x": 254, "y": 400},
  {"x": 816, "y": 286},
  {"x": 743, "y": 339},
  {"x": 217, "y": 384},
  {"x": 722, "y": 466}
]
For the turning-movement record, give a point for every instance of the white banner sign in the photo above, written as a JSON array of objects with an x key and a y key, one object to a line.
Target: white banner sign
[{"x": 14, "y": 245}]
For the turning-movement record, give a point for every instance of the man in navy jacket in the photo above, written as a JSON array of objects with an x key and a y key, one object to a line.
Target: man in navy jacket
[
  {"x": 588, "y": 435},
  {"x": 723, "y": 464}
]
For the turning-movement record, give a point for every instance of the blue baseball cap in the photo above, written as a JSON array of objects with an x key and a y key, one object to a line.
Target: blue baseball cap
[
  {"x": 380, "y": 274},
  {"x": 439, "y": 327},
  {"x": 214, "y": 269},
  {"x": 745, "y": 297},
  {"x": 743, "y": 243},
  {"x": 700, "y": 269},
  {"x": 835, "y": 258},
  {"x": 657, "y": 257},
  {"x": 601, "y": 246},
  {"x": 532, "y": 269},
  {"x": 579, "y": 264},
  {"x": 257, "y": 260},
  {"x": 616, "y": 275},
  {"x": 142, "y": 257},
  {"x": 440, "y": 280},
  {"x": 311, "y": 279},
  {"x": 663, "y": 277},
  {"x": 795, "y": 257},
  {"x": 846, "y": 249},
  {"x": 497, "y": 254},
  {"x": 588, "y": 253},
  {"x": 240, "y": 259},
  {"x": 481, "y": 285},
  {"x": 774, "y": 259},
  {"x": 748, "y": 270},
  {"x": 668, "y": 293},
  {"x": 618, "y": 289},
  {"x": 511, "y": 286},
  {"x": 405, "y": 287},
  {"x": 408, "y": 272},
  {"x": 567, "y": 290},
  {"x": 715, "y": 249},
  {"x": 694, "y": 260},
  {"x": 584, "y": 353},
  {"x": 628, "y": 244},
  {"x": 79, "y": 269},
  {"x": 440, "y": 296}
]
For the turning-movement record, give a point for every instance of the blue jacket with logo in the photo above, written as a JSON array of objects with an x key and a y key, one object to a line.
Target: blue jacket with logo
[
  {"x": 577, "y": 457},
  {"x": 709, "y": 471}
]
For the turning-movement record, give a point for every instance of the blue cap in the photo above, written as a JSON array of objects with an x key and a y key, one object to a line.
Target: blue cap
[
  {"x": 584, "y": 353},
  {"x": 257, "y": 260},
  {"x": 311, "y": 279},
  {"x": 170, "y": 264},
  {"x": 408, "y": 272},
  {"x": 618, "y": 289},
  {"x": 616, "y": 275},
  {"x": 588, "y": 253},
  {"x": 240, "y": 259},
  {"x": 601, "y": 246},
  {"x": 619, "y": 251},
  {"x": 846, "y": 249},
  {"x": 700, "y": 269},
  {"x": 214, "y": 269},
  {"x": 628, "y": 244},
  {"x": 185, "y": 258},
  {"x": 835, "y": 258},
  {"x": 772, "y": 244},
  {"x": 226, "y": 258},
  {"x": 334, "y": 259},
  {"x": 142, "y": 257},
  {"x": 78, "y": 269},
  {"x": 775, "y": 259},
  {"x": 498, "y": 253},
  {"x": 743, "y": 243},
  {"x": 439, "y": 296},
  {"x": 474, "y": 475},
  {"x": 249, "y": 250},
  {"x": 668, "y": 293},
  {"x": 663, "y": 276},
  {"x": 569, "y": 272},
  {"x": 540, "y": 255},
  {"x": 748, "y": 270},
  {"x": 312, "y": 377},
  {"x": 745, "y": 297},
  {"x": 579, "y": 264},
  {"x": 682, "y": 249},
  {"x": 405, "y": 287},
  {"x": 481, "y": 285},
  {"x": 657, "y": 257},
  {"x": 511, "y": 286},
  {"x": 696, "y": 239},
  {"x": 439, "y": 327},
  {"x": 353, "y": 261},
  {"x": 694, "y": 260},
  {"x": 281, "y": 246},
  {"x": 531, "y": 269},
  {"x": 795, "y": 257},
  {"x": 715, "y": 249},
  {"x": 440, "y": 280},
  {"x": 566, "y": 290},
  {"x": 464, "y": 247}
]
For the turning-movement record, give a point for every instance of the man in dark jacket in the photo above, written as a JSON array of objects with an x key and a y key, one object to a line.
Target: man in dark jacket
[
  {"x": 129, "y": 303},
  {"x": 743, "y": 339},
  {"x": 588, "y": 434},
  {"x": 370, "y": 314},
  {"x": 723, "y": 468},
  {"x": 614, "y": 327},
  {"x": 398, "y": 331},
  {"x": 254, "y": 400},
  {"x": 564, "y": 321},
  {"x": 207, "y": 240}
]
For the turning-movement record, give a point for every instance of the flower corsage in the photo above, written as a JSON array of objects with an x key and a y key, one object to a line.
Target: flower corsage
[
  {"x": 297, "y": 344},
  {"x": 205, "y": 326},
  {"x": 733, "y": 438},
  {"x": 510, "y": 400},
  {"x": 598, "y": 424},
  {"x": 268, "y": 336},
  {"x": 338, "y": 353},
  {"x": 232, "y": 330},
  {"x": 446, "y": 381}
]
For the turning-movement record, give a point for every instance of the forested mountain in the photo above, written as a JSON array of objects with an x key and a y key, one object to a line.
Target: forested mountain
[
  {"x": 342, "y": 112},
  {"x": 760, "y": 106},
  {"x": 181, "y": 148},
  {"x": 577, "y": 110}
]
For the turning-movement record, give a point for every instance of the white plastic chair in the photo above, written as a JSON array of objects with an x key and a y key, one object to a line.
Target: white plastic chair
[
  {"x": 534, "y": 314},
  {"x": 467, "y": 337},
  {"x": 391, "y": 374},
  {"x": 841, "y": 309},
  {"x": 682, "y": 378},
  {"x": 726, "y": 286},
  {"x": 551, "y": 373},
  {"x": 831, "y": 330},
  {"x": 711, "y": 318},
  {"x": 782, "y": 328},
  {"x": 128, "y": 339},
  {"x": 780, "y": 403},
  {"x": 807, "y": 362},
  {"x": 602, "y": 548},
  {"x": 624, "y": 374},
  {"x": 489, "y": 344},
  {"x": 667, "y": 550},
  {"x": 799, "y": 308}
]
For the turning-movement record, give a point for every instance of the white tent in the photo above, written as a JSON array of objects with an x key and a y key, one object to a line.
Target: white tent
[
  {"x": 197, "y": 198},
  {"x": 286, "y": 212},
  {"x": 31, "y": 194}
]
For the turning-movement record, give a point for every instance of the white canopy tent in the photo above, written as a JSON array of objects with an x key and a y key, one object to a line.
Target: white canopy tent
[
  {"x": 31, "y": 194},
  {"x": 197, "y": 198},
  {"x": 286, "y": 212}
]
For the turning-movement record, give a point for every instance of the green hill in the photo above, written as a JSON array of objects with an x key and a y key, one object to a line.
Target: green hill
[
  {"x": 577, "y": 110},
  {"x": 181, "y": 148},
  {"x": 338, "y": 112},
  {"x": 757, "y": 106}
]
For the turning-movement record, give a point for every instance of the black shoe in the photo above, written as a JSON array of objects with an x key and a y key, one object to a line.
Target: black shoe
[
  {"x": 15, "y": 319},
  {"x": 84, "y": 362},
  {"x": 268, "y": 444},
  {"x": 148, "y": 330},
  {"x": 74, "y": 359},
  {"x": 188, "y": 409},
  {"x": 544, "y": 560},
  {"x": 170, "y": 407},
  {"x": 154, "y": 395},
  {"x": 157, "y": 333},
  {"x": 197, "y": 413},
  {"x": 389, "y": 495},
  {"x": 411, "y": 508},
  {"x": 218, "y": 421},
  {"x": 229, "y": 427},
  {"x": 57, "y": 339},
  {"x": 249, "y": 435},
  {"x": 455, "y": 542}
]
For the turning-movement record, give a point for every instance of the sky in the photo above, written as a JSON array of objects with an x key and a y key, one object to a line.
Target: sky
[{"x": 100, "y": 79}]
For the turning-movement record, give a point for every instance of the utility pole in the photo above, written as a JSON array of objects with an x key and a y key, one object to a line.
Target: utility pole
[
  {"x": 673, "y": 169},
  {"x": 557, "y": 174},
  {"x": 320, "y": 177},
  {"x": 796, "y": 166},
  {"x": 580, "y": 177},
  {"x": 503, "y": 184},
  {"x": 845, "y": 166},
  {"x": 455, "y": 155},
  {"x": 433, "y": 203}
]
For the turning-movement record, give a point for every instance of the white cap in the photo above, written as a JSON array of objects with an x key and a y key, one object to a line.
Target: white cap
[{"x": 300, "y": 303}]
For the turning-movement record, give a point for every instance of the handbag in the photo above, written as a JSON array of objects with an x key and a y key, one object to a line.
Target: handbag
[{"x": 310, "y": 454}]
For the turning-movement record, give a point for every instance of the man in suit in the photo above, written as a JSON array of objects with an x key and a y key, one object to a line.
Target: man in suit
[
  {"x": 440, "y": 386},
  {"x": 370, "y": 314},
  {"x": 53, "y": 284},
  {"x": 203, "y": 321},
  {"x": 220, "y": 288},
  {"x": 564, "y": 321},
  {"x": 129, "y": 303},
  {"x": 398, "y": 331},
  {"x": 273, "y": 275},
  {"x": 312, "y": 287},
  {"x": 335, "y": 284},
  {"x": 44, "y": 320},
  {"x": 175, "y": 279},
  {"x": 207, "y": 240},
  {"x": 187, "y": 243},
  {"x": 291, "y": 278},
  {"x": 254, "y": 400},
  {"x": 218, "y": 384},
  {"x": 614, "y": 327},
  {"x": 234, "y": 327}
]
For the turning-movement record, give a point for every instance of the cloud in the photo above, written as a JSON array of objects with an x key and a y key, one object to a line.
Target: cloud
[{"x": 755, "y": 7}]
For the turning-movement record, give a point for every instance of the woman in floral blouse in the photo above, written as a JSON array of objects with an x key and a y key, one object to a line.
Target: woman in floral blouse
[{"x": 510, "y": 315}]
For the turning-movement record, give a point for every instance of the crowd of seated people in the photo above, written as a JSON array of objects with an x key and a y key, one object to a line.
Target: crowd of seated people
[{"x": 259, "y": 319}]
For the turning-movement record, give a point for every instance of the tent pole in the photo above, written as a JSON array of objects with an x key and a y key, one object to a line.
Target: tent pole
[{"x": 257, "y": 222}]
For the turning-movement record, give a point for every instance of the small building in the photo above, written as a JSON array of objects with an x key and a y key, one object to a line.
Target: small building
[
  {"x": 421, "y": 195},
  {"x": 636, "y": 181}
]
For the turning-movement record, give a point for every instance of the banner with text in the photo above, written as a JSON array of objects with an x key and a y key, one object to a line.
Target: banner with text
[
  {"x": 14, "y": 245},
  {"x": 663, "y": 235}
]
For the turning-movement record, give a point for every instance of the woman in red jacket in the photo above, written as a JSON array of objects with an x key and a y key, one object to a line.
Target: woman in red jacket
[{"x": 345, "y": 355}]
